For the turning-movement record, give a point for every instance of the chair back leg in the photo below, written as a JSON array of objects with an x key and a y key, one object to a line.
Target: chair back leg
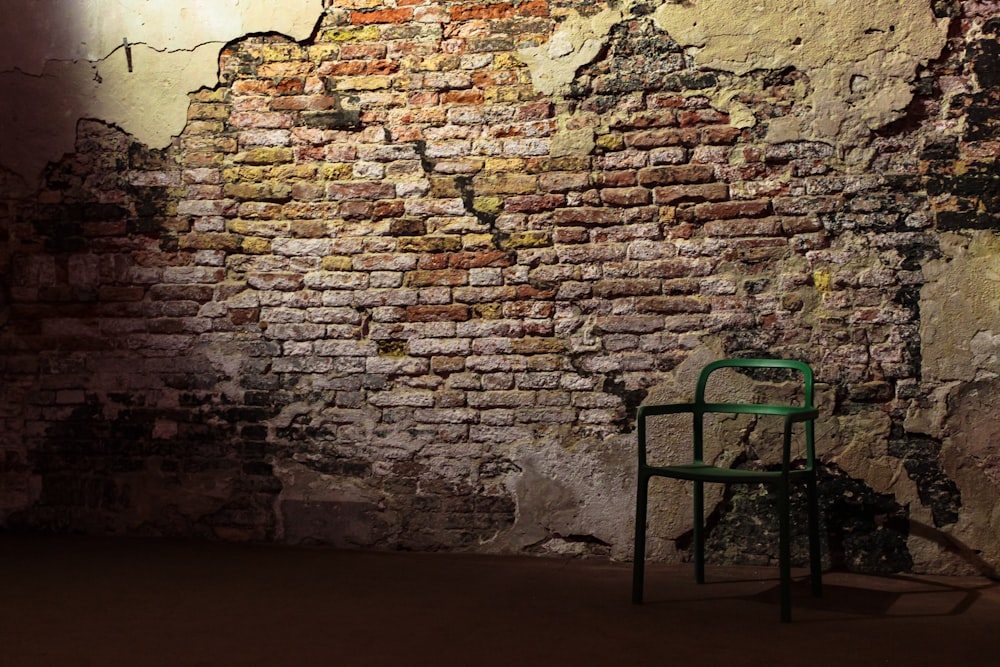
[
  {"x": 815, "y": 555},
  {"x": 699, "y": 532},
  {"x": 639, "y": 547}
]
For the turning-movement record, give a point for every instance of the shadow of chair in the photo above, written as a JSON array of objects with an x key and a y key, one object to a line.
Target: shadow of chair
[{"x": 699, "y": 472}]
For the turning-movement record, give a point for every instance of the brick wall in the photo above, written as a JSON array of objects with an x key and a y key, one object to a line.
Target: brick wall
[{"x": 369, "y": 296}]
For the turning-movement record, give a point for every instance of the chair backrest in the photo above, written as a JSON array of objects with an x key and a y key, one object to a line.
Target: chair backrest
[
  {"x": 701, "y": 407},
  {"x": 807, "y": 375}
]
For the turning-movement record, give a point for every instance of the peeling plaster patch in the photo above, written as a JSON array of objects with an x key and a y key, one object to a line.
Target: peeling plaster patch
[
  {"x": 572, "y": 501},
  {"x": 875, "y": 44},
  {"x": 575, "y": 43},
  {"x": 67, "y": 57},
  {"x": 152, "y": 107},
  {"x": 960, "y": 321}
]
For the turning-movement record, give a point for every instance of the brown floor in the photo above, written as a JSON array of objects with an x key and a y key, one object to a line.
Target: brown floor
[{"x": 81, "y": 602}]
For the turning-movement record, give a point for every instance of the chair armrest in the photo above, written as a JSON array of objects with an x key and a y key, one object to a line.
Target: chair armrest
[
  {"x": 792, "y": 416},
  {"x": 802, "y": 414}
]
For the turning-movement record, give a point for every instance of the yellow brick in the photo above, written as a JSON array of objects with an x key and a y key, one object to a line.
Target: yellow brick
[
  {"x": 823, "y": 280},
  {"x": 507, "y": 61},
  {"x": 279, "y": 52},
  {"x": 392, "y": 348},
  {"x": 256, "y": 246},
  {"x": 292, "y": 172},
  {"x": 529, "y": 239},
  {"x": 611, "y": 142},
  {"x": 444, "y": 187},
  {"x": 537, "y": 345},
  {"x": 320, "y": 52},
  {"x": 506, "y": 95},
  {"x": 336, "y": 171},
  {"x": 351, "y": 34},
  {"x": 487, "y": 204},
  {"x": 364, "y": 83},
  {"x": 441, "y": 61},
  {"x": 210, "y": 241},
  {"x": 477, "y": 242},
  {"x": 199, "y": 111},
  {"x": 487, "y": 311},
  {"x": 497, "y": 165},
  {"x": 336, "y": 263},
  {"x": 212, "y": 95},
  {"x": 491, "y": 182},
  {"x": 429, "y": 243}
]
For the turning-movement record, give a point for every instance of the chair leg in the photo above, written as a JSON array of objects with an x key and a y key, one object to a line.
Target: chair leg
[
  {"x": 784, "y": 554},
  {"x": 639, "y": 550},
  {"x": 815, "y": 555},
  {"x": 699, "y": 532}
]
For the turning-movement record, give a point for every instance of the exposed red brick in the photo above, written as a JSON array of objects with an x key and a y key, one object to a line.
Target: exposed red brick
[
  {"x": 675, "y": 194},
  {"x": 671, "y": 305},
  {"x": 289, "y": 87},
  {"x": 534, "y": 111},
  {"x": 356, "y": 210},
  {"x": 450, "y": 277},
  {"x": 801, "y": 224},
  {"x": 533, "y": 8},
  {"x": 612, "y": 289},
  {"x": 562, "y": 181},
  {"x": 387, "y": 209},
  {"x": 658, "y": 138},
  {"x": 720, "y": 134},
  {"x": 475, "y": 260},
  {"x": 626, "y": 196},
  {"x": 240, "y": 316},
  {"x": 673, "y": 175},
  {"x": 401, "y": 15},
  {"x": 462, "y": 97},
  {"x": 498, "y": 10},
  {"x": 533, "y": 203},
  {"x": 732, "y": 209},
  {"x": 587, "y": 216},
  {"x": 532, "y": 292},
  {"x": 616, "y": 179},
  {"x": 571, "y": 235},
  {"x": 362, "y": 51},
  {"x": 744, "y": 227},
  {"x": 371, "y": 190},
  {"x": 702, "y": 117},
  {"x": 449, "y": 313}
]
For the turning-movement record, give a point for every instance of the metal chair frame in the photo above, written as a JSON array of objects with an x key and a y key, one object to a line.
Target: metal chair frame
[{"x": 700, "y": 472}]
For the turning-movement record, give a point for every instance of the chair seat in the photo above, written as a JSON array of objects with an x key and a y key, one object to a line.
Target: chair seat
[{"x": 703, "y": 472}]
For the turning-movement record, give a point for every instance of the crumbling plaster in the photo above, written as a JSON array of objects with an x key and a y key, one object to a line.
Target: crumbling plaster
[
  {"x": 960, "y": 330},
  {"x": 69, "y": 59},
  {"x": 861, "y": 57}
]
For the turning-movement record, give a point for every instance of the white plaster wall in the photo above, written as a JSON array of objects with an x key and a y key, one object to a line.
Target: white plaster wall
[{"x": 62, "y": 60}]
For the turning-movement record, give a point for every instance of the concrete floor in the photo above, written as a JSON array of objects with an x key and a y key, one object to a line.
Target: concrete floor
[{"x": 71, "y": 602}]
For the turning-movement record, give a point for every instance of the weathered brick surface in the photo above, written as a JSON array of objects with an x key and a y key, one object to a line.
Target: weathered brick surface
[{"x": 361, "y": 267}]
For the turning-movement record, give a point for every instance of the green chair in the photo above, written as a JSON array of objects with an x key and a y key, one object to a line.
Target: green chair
[{"x": 700, "y": 472}]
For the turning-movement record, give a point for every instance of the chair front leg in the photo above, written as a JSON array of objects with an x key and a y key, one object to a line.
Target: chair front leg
[
  {"x": 815, "y": 554},
  {"x": 784, "y": 552},
  {"x": 639, "y": 550},
  {"x": 699, "y": 532}
]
